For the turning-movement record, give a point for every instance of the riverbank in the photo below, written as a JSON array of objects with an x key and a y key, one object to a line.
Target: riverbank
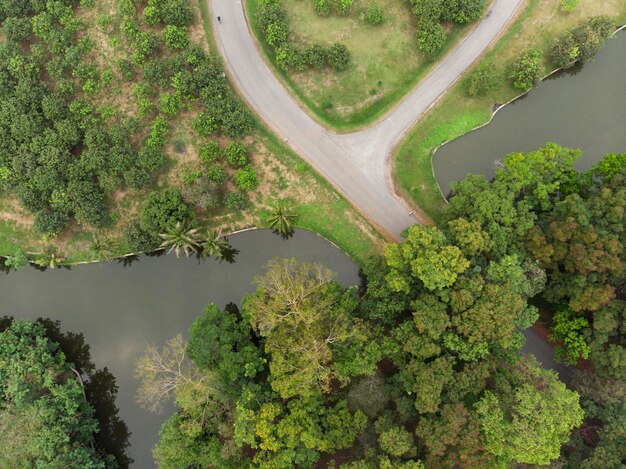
[{"x": 457, "y": 114}]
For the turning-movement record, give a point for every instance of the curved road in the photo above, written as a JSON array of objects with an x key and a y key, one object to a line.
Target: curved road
[{"x": 356, "y": 163}]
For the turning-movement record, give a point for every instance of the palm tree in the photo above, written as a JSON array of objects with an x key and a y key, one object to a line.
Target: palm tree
[
  {"x": 181, "y": 236},
  {"x": 102, "y": 247},
  {"x": 49, "y": 258},
  {"x": 281, "y": 220},
  {"x": 214, "y": 245}
]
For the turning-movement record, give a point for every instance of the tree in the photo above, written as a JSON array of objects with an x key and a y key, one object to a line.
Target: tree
[
  {"x": 281, "y": 220},
  {"x": 220, "y": 342},
  {"x": 568, "y": 329},
  {"x": 525, "y": 72},
  {"x": 45, "y": 420},
  {"x": 529, "y": 423},
  {"x": 426, "y": 256},
  {"x": 305, "y": 319},
  {"x": 181, "y": 236},
  {"x": 49, "y": 258},
  {"x": 397, "y": 442}
]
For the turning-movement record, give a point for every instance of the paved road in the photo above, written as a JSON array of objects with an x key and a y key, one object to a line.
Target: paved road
[{"x": 356, "y": 163}]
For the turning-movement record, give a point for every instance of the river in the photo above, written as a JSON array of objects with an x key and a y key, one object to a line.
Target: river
[
  {"x": 121, "y": 309},
  {"x": 582, "y": 108}
]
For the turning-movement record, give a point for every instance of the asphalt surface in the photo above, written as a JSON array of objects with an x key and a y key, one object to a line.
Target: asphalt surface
[{"x": 357, "y": 163}]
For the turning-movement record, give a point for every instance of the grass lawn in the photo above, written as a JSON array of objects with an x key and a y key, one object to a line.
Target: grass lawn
[
  {"x": 282, "y": 176},
  {"x": 386, "y": 62},
  {"x": 538, "y": 25}
]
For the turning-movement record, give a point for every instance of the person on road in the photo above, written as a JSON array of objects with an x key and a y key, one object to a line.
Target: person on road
[{"x": 219, "y": 19}]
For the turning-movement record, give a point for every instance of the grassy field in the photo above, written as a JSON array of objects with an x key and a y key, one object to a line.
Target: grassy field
[
  {"x": 538, "y": 25},
  {"x": 386, "y": 62},
  {"x": 282, "y": 174}
]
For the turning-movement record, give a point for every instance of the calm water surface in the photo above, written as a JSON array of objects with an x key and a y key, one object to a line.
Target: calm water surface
[
  {"x": 121, "y": 309},
  {"x": 585, "y": 110}
]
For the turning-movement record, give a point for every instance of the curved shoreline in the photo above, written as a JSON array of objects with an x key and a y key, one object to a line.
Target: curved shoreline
[{"x": 499, "y": 108}]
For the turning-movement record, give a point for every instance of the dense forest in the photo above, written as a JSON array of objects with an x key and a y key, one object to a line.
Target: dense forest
[{"x": 421, "y": 367}]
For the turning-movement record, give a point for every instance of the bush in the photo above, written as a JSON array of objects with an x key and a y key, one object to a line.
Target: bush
[
  {"x": 216, "y": 174},
  {"x": 146, "y": 44},
  {"x": 50, "y": 222},
  {"x": 170, "y": 104},
  {"x": 210, "y": 153},
  {"x": 202, "y": 193},
  {"x": 463, "y": 11},
  {"x": 246, "y": 179},
  {"x": 287, "y": 56},
  {"x": 158, "y": 133},
  {"x": 236, "y": 154},
  {"x": 482, "y": 81},
  {"x": 163, "y": 209},
  {"x": 315, "y": 56},
  {"x": 176, "y": 37},
  {"x": 374, "y": 16},
  {"x": 138, "y": 239},
  {"x": 569, "y": 5},
  {"x": 17, "y": 29},
  {"x": 526, "y": 71},
  {"x": 343, "y": 6},
  {"x": 338, "y": 56},
  {"x": 581, "y": 43},
  {"x": 323, "y": 7},
  {"x": 126, "y": 69},
  {"x": 236, "y": 201},
  {"x": 204, "y": 124}
]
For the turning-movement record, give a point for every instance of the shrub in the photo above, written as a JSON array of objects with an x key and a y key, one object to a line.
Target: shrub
[
  {"x": 146, "y": 44},
  {"x": 246, "y": 179},
  {"x": 338, "y": 56},
  {"x": 126, "y": 69},
  {"x": 158, "y": 133},
  {"x": 526, "y": 71},
  {"x": 202, "y": 193},
  {"x": 210, "y": 152},
  {"x": 569, "y": 5},
  {"x": 564, "y": 52},
  {"x": 176, "y": 37},
  {"x": 170, "y": 104},
  {"x": 236, "y": 154},
  {"x": 177, "y": 12},
  {"x": 323, "y": 7},
  {"x": 50, "y": 222},
  {"x": 315, "y": 56},
  {"x": 287, "y": 56},
  {"x": 463, "y": 11},
  {"x": 216, "y": 174},
  {"x": 343, "y": 6},
  {"x": 163, "y": 209},
  {"x": 17, "y": 29},
  {"x": 204, "y": 124},
  {"x": 374, "y": 16},
  {"x": 236, "y": 201},
  {"x": 482, "y": 81},
  {"x": 138, "y": 239}
]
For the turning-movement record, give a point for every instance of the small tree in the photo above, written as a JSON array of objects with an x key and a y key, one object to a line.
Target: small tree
[
  {"x": 236, "y": 154},
  {"x": 102, "y": 247},
  {"x": 526, "y": 71},
  {"x": 569, "y": 328},
  {"x": 246, "y": 179},
  {"x": 176, "y": 37},
  {"x": 281, "y": 220},
  {"x": 214, "y": 245}
]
